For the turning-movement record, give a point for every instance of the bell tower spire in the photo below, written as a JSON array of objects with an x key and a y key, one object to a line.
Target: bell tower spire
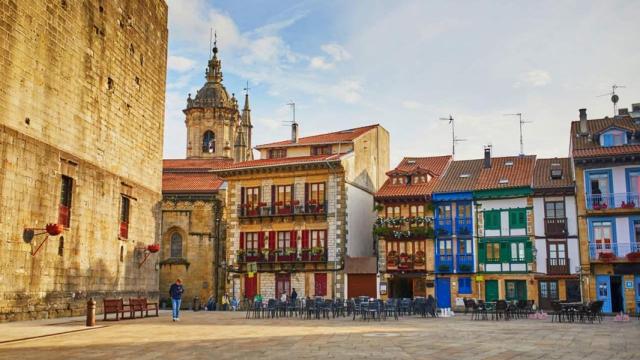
[{"x": 214, "y": 70}]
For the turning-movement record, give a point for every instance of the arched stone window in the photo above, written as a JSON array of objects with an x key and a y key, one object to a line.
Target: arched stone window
[
  {"x": 209, "y": 142},
  {"x": 176, "y": 245}
]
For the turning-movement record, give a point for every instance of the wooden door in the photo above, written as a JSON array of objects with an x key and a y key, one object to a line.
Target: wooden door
[
  {"x": 283, "y": 285},
  {"x": 320, "y": 284},
  {"x": 250, "y": 286},
  {"x": 362, "y": 285},
  {"x": 548, "y": 291},
  {"x": 491, "y": 290}
]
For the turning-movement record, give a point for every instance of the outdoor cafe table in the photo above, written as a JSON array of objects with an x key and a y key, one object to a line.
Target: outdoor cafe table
[{"x": 572, "y": 309}]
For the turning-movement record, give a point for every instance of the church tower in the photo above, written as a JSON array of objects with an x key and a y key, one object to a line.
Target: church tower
[{"x": 215, "y": 128}]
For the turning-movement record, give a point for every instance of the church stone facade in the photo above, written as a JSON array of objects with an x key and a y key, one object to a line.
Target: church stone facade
[{"x": 82, "y": 89}]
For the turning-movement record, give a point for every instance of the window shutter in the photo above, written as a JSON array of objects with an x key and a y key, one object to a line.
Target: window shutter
[
  {"x": 294, "y": 235},
  {"x": 528, "y": 251},
  {"x": 242, "y": 195},
  {"x": 241, "y": 240},
  {"x": 513, "y": 221},
  {"x": 272, "y": 240},
  {"x": 261, "y": 240},
  {"x": 273, "y": 195},
  {"x": 505, "y": 252},
  {"x": 306, "y": 194},
  {"x": 522, "y": 218},
  {"x": 305, "y": 239},
  {"x": 326, "y": 239},
  {"x": 482, "y": 253}
]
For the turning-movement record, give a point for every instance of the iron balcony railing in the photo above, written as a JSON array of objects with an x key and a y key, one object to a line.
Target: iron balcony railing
[
  {"x": 613, "y": 201},
  {"x": 463, "y": 226},
  {"x": 555, "y": 227},
  {"x": 444, "y": 227},
  {"x": 464, "y": 263},
  {"x": 282, "y": 209},
  {"x": 305, "y": 255},
  {"x": 609, "y": 251},
  {"x": 444, "y": 263}
]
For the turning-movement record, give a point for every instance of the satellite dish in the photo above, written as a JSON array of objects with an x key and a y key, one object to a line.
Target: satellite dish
[{"x": 614, "y": 98}]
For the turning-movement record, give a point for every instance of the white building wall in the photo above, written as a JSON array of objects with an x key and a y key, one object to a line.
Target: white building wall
[
  {"x": 623, "y": 235},
  {"x": 360, "y": 220},
  {"x": 574, "y": 255},
  {"x": 572, "y": 229},
  {"x": 541, "y": 256}
]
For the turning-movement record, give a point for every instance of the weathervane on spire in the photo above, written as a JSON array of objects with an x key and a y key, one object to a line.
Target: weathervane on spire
[{"x": 246, "y": 89}]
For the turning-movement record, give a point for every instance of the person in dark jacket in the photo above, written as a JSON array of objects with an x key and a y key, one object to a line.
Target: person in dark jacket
[
  {"x": 294, "y": 296},
  {"x": 176, "y": 290}
]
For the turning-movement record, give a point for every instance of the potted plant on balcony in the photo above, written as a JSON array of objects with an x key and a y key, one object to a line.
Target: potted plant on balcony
[
  {"x": 265, "y": 253},
  {"x": 633, "y": 256},
  {"x": 465, "y": 267},
  {"x": 392, "y": 258},
  {"x": 240, "y": 255},
  {"x": 607, "y": 256},
  {"x": 444, "y": 268},
  {"x": 419, "y": 258},
  {"x": 464, "y": 230},
  {"x": 403, "y": 261},
  {"x": 290, "y": 251},
  {"x": 317, "y": 250}
]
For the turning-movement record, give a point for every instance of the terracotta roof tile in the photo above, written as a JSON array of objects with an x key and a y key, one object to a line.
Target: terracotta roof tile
[
  {"x": 279, "y": 162},
  {"x": 461, "y": 176},
  {"x": 501, "y": 175},
  {"x": 435, "y": 165},
  {"x": 189, "y": 182},
  {"x": 588, "y": 146},
  {"x": 542, "y": 174},
  {"x": 194, "y": 163},
  {"x": 328, "y": 138}
]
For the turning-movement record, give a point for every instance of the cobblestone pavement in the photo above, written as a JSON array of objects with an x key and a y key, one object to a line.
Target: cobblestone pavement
[{"x": 229, "y": 335}]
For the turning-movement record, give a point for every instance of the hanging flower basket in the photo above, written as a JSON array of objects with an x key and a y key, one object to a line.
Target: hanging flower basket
[
  {"x": 54, "y": 229},
  {"x": 607, "y": 256},
  {"x": 633, "y": 256},
  {"x": 153, "y": 248}
]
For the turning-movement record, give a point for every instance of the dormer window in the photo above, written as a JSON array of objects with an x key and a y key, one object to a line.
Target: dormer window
[
  {"x": 464, "y": 176},
  {"x": 411, "y": 162},
  {"x": 321, "y": 150},
  {"x": 613, "y": 138},
  {"x": 508, "y": 163},
  {"x": 277, "y": 153},
  {"x": 408, "y": 177},
  {"x": 503, "y": 181},
  {"x": 556, "y": 174}
]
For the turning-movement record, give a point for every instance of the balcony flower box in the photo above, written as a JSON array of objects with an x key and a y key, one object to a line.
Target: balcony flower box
[
  {"x": 290, "y": 251},
  {"x": 252, "y": 212},
  {"x": 602, "y": 206},
  {"x": 633, "y": 256},
  {"x": 465, "y": 267},
  {"x": 629, "y": 205},
  {"x": 265, "y": 253},
  {"x": 419, "y": 258},
  {"x": 444, "y": 268},
  {"x": 317, "y": 250},
  {"x": 279, "y": 203},
  {"x": 607, "y": 256},
  {"x": 404, "y": 261},
  {"x": 392, "y": 258},
  {"x": 295, "y": 202}
]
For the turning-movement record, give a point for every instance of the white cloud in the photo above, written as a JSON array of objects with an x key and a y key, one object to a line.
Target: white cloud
[
  {"x": 411, "y": 104},
  {"x": 179, "y": 63},
  {"x": 337, "y": 52},
  {"x": 348, "y": 91},
  {"x": 319, "y": 62},
  {"x": 535, "y": 78}
]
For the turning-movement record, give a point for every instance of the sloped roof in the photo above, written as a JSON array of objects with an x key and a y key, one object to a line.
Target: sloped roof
[
  {"x": 190, "y": 182},
  {"x": 189, "y": 176},
  {"x": 327, "y": 138},
  {"x": 435, "y": 165},
  {"x": 542, "y": 174},
  {"x": 589, "y": 146},
  {"x": 259, "y": 163},
  {"x": 461, "y": 176},
  {"x": 517, "y": 175}
]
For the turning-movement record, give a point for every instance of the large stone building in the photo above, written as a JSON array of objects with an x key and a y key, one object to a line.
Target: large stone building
[
  {"x": 192, "y": 214},
  {"x": 81, "y": 123},
  {"x": 301, "y": 211}
]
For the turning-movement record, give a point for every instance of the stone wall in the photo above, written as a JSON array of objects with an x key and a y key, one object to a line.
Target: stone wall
[{"x": 82, "y": 95}]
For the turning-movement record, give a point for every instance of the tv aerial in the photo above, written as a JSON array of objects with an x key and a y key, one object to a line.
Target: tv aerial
[
  {"x": 454, "y": 139},
  {"x": 519, "y": 115},
  {"x": 614, "y": 97}
]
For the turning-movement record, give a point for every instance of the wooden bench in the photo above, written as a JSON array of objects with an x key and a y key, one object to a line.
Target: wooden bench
[
  {"x": 142, "y": 305},
  {"x": 118, "y": 307}
]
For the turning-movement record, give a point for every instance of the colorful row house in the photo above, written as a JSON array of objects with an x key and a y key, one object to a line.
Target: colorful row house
[
  {"x": 556, "y": 232},
  {"x": 405, "y": 227},
  {"x": 606, "y": 157},
  {"x": 298, "y": 214}
]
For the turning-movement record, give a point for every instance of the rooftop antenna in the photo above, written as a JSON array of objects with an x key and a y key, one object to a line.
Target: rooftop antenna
[
  {"x": 454, "y": 139},
  {"x": 614, "y": 97},
  {"x": 293, "y": 109},
  {"x": 519, "y": 115}
]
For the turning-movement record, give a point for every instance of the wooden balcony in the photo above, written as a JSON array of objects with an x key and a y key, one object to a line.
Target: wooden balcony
[
  {"x": 311, "y": 255},
  {"x": 406, "y": 261},
  {"x": 555, "y": 227},
  {"x": 558, "y": 266},
  {"x": 293, "y": 208}
]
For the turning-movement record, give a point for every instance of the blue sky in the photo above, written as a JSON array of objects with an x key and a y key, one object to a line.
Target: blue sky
[{"x": 405, "y": 64}]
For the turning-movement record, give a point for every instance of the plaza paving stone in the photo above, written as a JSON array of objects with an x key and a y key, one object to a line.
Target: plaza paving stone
[{"x": 206, "y": 335}]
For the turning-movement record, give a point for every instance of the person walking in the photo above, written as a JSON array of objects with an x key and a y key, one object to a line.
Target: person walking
[
  {"x": 294, "y": 296},
  {"x": 176, "y": 290}
]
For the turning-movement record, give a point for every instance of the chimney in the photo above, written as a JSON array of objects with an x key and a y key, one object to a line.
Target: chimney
[
  {"x": 487, "y": 157},
  {"x": 294, "y": 132},
  {"x": 635, "y": 107},
  {"x": 583, "y": 122}
]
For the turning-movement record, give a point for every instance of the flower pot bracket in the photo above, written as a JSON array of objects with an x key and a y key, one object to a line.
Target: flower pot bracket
[
  {"x": 147, "y": 251},
  {"x": 49, "y": 230}
]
